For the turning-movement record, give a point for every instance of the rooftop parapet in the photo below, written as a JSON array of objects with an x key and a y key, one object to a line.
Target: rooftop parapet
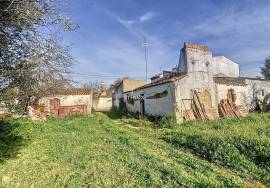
[{"x": 195, "y": 46}]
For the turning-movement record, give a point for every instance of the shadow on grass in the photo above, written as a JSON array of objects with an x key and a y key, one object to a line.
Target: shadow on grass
[
  {"x": 115, "y": 113},
  {"x": 10, "y": 141},
  {"x": 139, "y": 120}
]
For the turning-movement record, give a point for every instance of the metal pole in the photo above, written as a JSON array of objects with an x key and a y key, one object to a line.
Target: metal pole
[{"x": 145, "y": 44}]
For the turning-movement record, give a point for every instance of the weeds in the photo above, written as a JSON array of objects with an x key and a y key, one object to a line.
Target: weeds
[
  {"x": 232, "y": 143},
  {"x": 108, "y": 151}
]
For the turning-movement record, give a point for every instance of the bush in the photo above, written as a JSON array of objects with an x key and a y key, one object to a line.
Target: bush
[
  {"x": 165, "y": 122},
  {"x": 116, "y": 113}
]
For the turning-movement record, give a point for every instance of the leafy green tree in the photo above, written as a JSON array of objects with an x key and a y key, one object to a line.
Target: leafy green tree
[
  {"x": 33, "y": 62},
  {"x": 266, "y": 69}
]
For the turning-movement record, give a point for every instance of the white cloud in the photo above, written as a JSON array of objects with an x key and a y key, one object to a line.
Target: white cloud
[
  {"x": 160, "y": 55},
  {"x": 235, "y": 21},
  {"x": 147, "y": 16},
  {"x": 130, "y": 25}
]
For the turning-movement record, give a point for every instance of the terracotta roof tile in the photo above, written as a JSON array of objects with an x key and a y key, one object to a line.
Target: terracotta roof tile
[
  {"x": 73, "y": 91},
  {"x": 195, "y": 46},
  {"x": 160, "y": 82}
]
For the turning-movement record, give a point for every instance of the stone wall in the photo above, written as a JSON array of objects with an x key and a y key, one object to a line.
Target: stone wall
[
  {"x": 245, "y": 93},
  {"x": 68, "y": 100},
  {"x": 104, "y": 104}
]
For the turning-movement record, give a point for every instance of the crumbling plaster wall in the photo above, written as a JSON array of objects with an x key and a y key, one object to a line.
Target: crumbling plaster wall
[
  {"x": 184, "y": 90},
  {"x": 245, "y": 94},
  {"x": 257, "y": 88},
  {"x": 199, "y": 61},
  {"x": 69, "y": 100},
  {"x": 159, "y": 100},
  {"x": 239, "y": 90},
  {"x": 198, "y": 64}
]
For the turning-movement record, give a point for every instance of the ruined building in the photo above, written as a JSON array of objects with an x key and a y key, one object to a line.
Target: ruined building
[
  {"x": 63, "y": 102},
  {"x": 202, "y": 86}
]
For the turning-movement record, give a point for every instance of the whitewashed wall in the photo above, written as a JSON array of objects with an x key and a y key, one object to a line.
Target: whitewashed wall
[
  {"x": 69, "y": 100},
  {"x": 104, "y": 104},
  {"x": 163, "y": 106},
  {"x": 199, "y": 76},
  {"x": 241, "y": 93},
  {"x": 199, "y": 61},
  {"x": 196, "y": 60},
  {"x": 225, "y": 66},
  {"x": 245, "y": 95},
  {"x": 184, "y": 90},
  {"x": 255, "y": 88}
]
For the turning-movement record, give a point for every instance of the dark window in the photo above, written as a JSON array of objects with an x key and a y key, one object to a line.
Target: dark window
[{"x": 262, "y": 92}]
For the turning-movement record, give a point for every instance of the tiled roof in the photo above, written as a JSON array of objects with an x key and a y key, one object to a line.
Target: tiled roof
[
  {"x": 73, "y": 91},
  {"x": 236, "y": 81},
  {"x": 129, "y": 85},
  {"x": 160, "y": 82}
]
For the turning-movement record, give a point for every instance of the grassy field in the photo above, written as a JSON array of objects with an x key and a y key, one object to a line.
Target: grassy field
[{"x": 107, "y": 151}]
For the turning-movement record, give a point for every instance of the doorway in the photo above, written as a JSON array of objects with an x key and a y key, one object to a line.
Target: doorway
[{"x": 142, "y": 105}]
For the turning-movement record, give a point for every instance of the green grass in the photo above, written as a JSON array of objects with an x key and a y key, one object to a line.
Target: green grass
[
  {"x": 240, "y": 144},
  {"x": 125, "y": 152}
]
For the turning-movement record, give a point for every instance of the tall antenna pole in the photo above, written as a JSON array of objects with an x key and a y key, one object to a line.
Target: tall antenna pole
[{"x": 145, "y": 45}]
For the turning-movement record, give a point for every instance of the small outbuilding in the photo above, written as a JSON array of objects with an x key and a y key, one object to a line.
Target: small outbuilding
[{"x": 62, "y": 103}]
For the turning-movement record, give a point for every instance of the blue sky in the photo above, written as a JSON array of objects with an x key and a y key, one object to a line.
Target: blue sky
[{"x": 109, "y": 41}]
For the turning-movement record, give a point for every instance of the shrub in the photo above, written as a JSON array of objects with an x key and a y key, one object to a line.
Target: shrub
[{"x": 164, "y": 122}]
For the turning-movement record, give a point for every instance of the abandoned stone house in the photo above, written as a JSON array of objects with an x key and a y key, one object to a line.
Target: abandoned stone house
[
  {"x": 62, "y": 103},
  {"x": 202, "y": 86}
]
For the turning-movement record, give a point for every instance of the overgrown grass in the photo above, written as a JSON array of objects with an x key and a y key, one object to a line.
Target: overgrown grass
[
  {"x": 239, "y": 144},
  {"x": 108, "y": 151}
]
